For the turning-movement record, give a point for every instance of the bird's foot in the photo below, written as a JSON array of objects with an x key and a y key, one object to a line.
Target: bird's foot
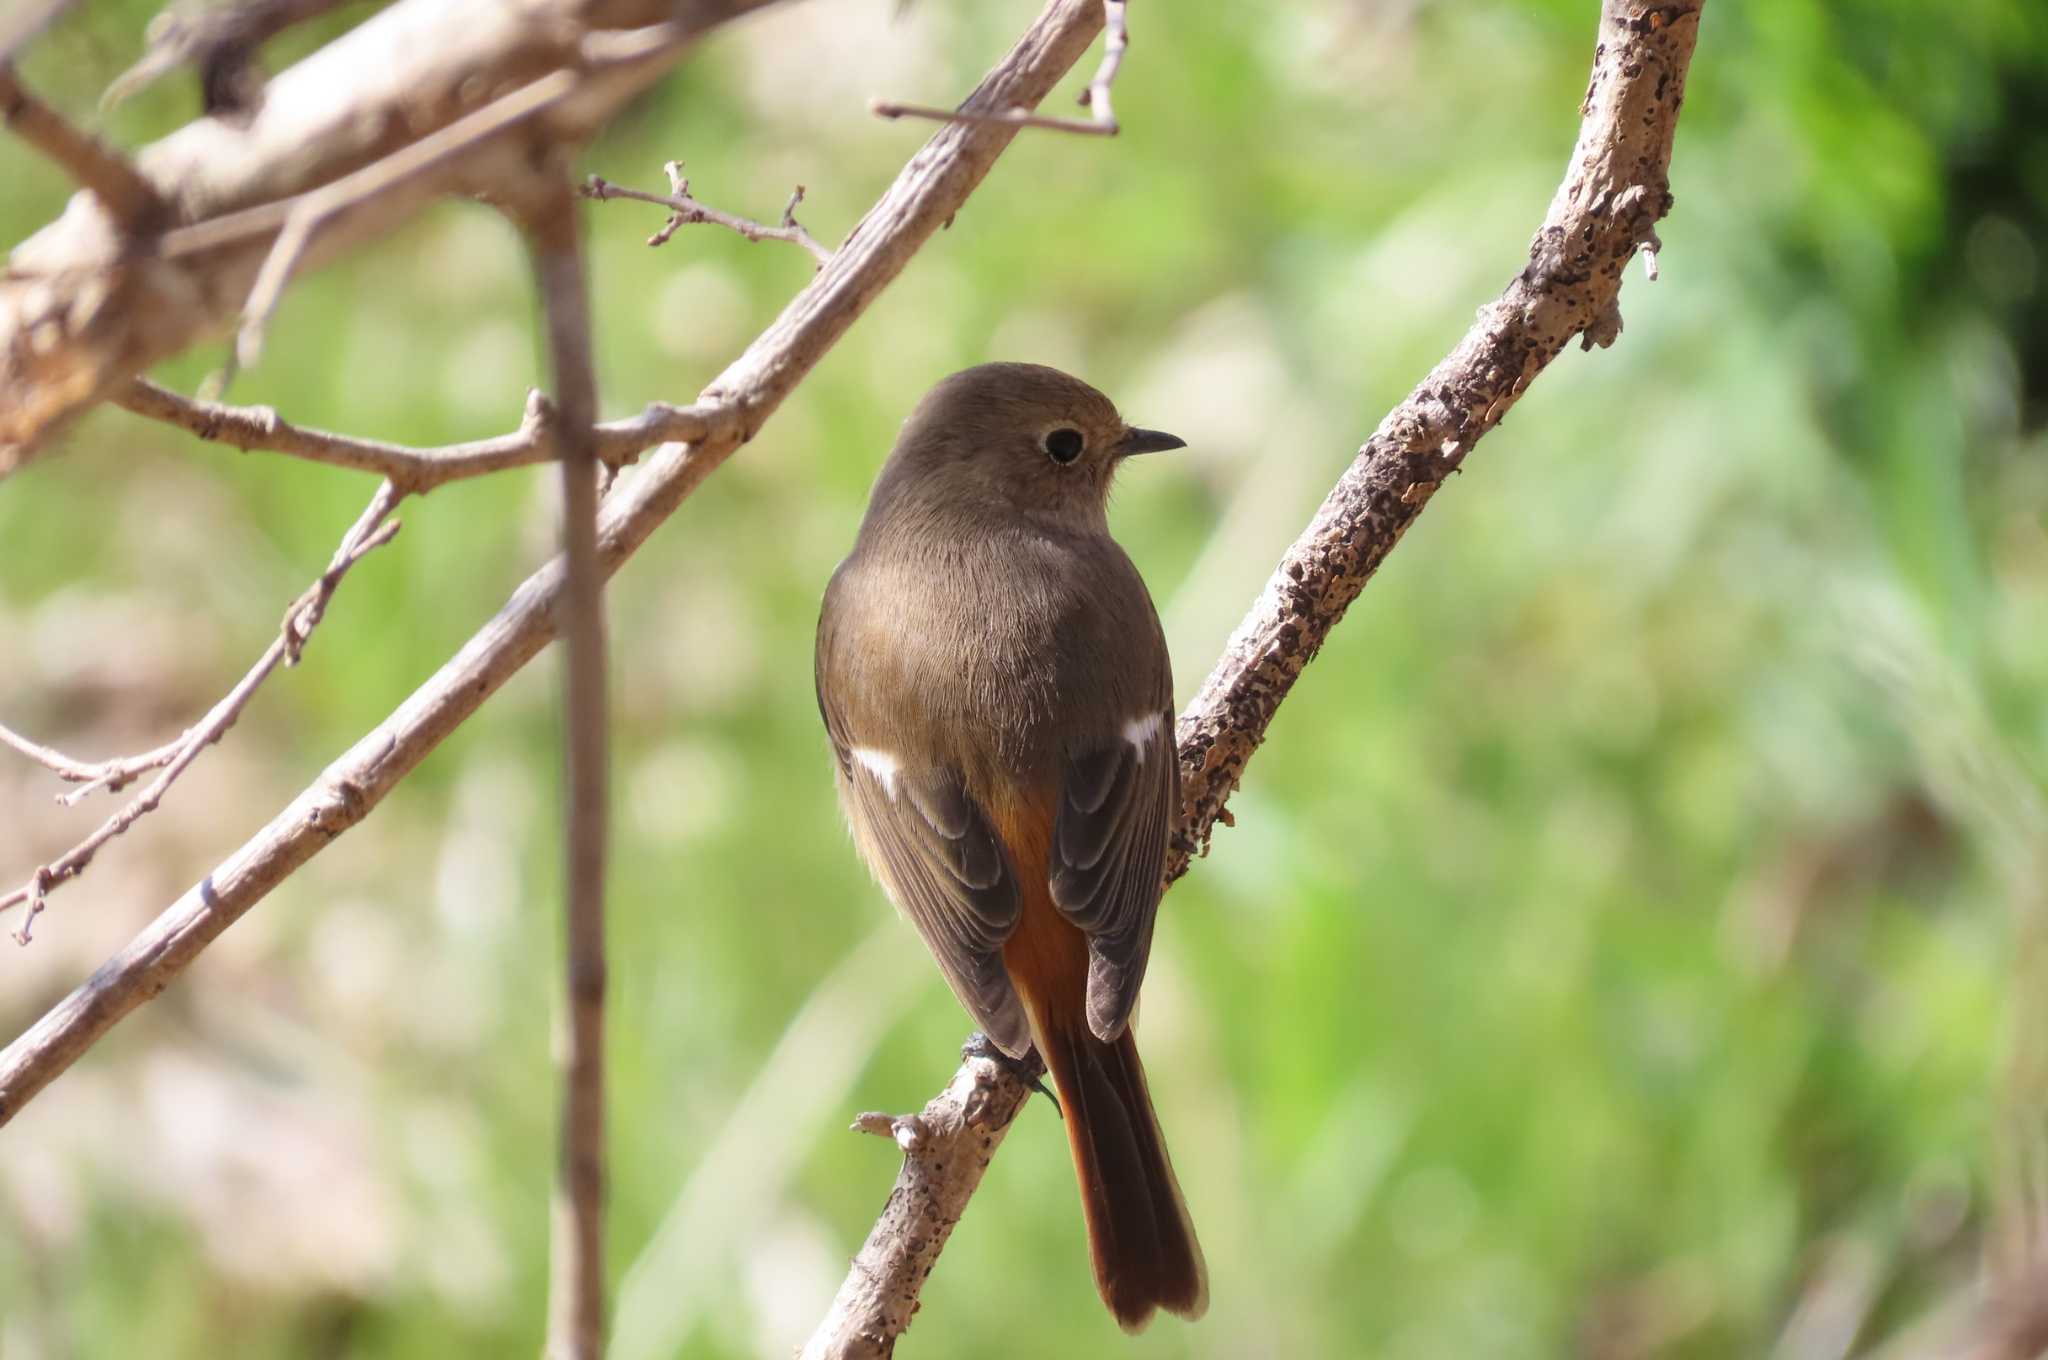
[{"x": 1029, "y": 1069}]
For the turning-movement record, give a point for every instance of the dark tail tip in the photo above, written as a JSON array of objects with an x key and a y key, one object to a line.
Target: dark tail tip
[{"x": 1139, "y": 1236}]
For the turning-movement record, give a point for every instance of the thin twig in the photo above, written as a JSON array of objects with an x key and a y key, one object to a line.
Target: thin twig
[
  {"x": 415, "y": 470},
  {"x": 311, "y": 211},
  {"x": 369, "y": 532},
  {"x": 576, "y": 1296},
  {"x": 1019, "y": 118},
  {"x": 129, "y": 198},
  {"x": 111, "y": 775},
  {"x": 685, "y": 210},
  {"x": 83, "y": 311},
  {"x": 1102, "y": 122}
]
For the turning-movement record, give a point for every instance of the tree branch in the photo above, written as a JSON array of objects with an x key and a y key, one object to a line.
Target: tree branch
[
  {"x": 416, "y": 471},
  {"x": 925, "y": 196},
  {"x": 576, "y": 1294},
  {"x": 370, "y": 531},
  {"x": 1102, "y": 122},
  {"x": 685, "y": 210},
  {"x": 1614, "y": 192},
  {"x": 946, "y": 1148},
  {"x": 112, "y": 775},
  {"x": 82, "y": 310}
]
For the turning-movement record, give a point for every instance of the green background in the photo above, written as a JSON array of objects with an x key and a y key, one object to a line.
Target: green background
[{"x": 1630, "y": 940}]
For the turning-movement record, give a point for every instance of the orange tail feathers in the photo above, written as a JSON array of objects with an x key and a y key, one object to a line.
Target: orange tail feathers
[{"x": 1139, "y": 1236}]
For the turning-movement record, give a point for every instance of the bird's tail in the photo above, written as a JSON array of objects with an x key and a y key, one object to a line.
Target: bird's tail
[{"x": 1143, "y": 1245}]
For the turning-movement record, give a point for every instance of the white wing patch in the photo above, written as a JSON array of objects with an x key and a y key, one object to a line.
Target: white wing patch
[
  {"x": 1139, "y": 732},
  {"x": 882, "y": 765}
]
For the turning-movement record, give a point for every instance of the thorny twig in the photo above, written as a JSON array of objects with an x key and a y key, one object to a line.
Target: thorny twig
[{"x": 684, "y": 210}]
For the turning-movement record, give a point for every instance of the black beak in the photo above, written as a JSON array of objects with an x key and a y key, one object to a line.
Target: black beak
[{"x": 1149, "y": 441}]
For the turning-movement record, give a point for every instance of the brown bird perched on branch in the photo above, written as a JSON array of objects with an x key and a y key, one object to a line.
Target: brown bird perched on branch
[{"x": 997, "y": 689}]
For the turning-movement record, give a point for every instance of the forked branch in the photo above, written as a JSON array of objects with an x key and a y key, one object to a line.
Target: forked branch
[
  {"x": 372, "y": 530},
  {"x": 1101, "y": 121},
  {"x": 685, "y": 210}
]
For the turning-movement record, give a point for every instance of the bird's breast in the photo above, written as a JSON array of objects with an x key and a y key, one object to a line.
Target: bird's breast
[{"x": 996, "y": 650}]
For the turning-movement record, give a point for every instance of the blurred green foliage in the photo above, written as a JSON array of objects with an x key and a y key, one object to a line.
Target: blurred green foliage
[{"x": 1623, "y": 940}]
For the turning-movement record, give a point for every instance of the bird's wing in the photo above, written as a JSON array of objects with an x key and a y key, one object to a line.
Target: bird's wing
[
  {"x": 932, "y": 848},
  {"x": 1117, "y": 803}
]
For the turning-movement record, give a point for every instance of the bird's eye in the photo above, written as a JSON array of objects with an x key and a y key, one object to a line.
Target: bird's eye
[{"x": 1064, "y": 445}]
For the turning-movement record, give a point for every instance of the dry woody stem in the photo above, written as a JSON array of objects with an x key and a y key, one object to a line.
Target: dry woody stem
[
  {"x": 421, "y": 100},
  {"x": 685, "y": 210},
  {"x": 372, "y": 530},
  {"x": 415, "y": 471},
  {"x": 1101, "y": 122},
  {"x": 946, "y": 1149},
  {"x": 576, "y": 1300}
]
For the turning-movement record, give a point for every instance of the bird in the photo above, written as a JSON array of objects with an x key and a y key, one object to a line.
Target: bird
[{"x": 996, "y": 687}]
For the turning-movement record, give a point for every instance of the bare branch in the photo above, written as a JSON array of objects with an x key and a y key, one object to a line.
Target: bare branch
[
  {"x": 307, "y": 214},
  {"x": 946, "y": 1149},
  {"x": 82, "y": 311},
  {"x": 129, "y": 198},
  {"x": 108, "y": 774},
  {"x": 576, "y": 1294},
  {"x": 1613, "y": 194},
  {"x": 927, "y": 194},
  {"x": 369, "y": 532},
  {"x": 1115, "y": 38},
  {"x": 415, "y": 470},
  {"x": 685, "y": 210}
]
